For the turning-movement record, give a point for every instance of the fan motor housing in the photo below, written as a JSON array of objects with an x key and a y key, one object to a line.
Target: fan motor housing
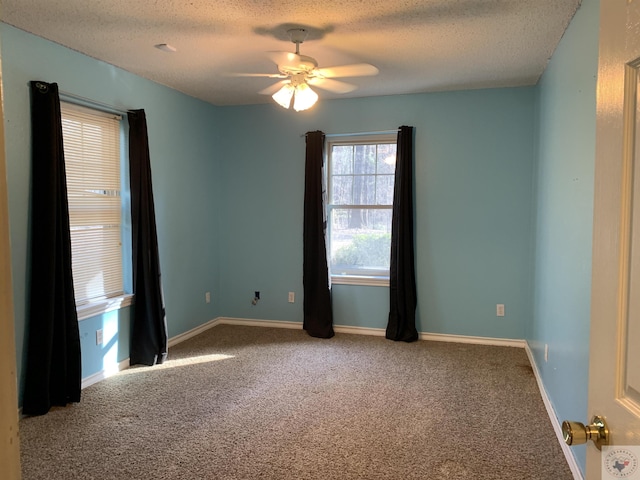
[{"x": 305, "y": 64}]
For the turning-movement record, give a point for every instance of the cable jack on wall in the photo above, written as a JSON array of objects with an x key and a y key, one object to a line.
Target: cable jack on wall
[{"x": 256, "y": 297}]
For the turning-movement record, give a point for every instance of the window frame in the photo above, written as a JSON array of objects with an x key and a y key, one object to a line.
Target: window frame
[
  {"x": 367, "y": 277},
  {"x": 93, "y": 307}
]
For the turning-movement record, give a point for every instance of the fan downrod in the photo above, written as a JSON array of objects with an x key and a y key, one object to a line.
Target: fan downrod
[{"x": 297, "y": 36}]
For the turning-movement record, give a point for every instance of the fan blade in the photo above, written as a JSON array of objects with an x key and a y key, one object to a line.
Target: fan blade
[
  {"x": 355, "y": 70},
  {"x": 286, "y": 59},
  {"x": 270, "y": 90},
  {"x": 332, "y": 85},
  {"x": 267, "y": 75}
]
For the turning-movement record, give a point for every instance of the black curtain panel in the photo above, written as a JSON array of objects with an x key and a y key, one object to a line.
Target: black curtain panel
[
  {"x": 148, "y": 345},
  {"x": 53, "y": 371},
  {"x": 402, "y": 277},
  {"x": 318, "y": 317}
]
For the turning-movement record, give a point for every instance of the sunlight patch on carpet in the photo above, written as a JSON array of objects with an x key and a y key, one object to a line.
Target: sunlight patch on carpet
[{"x": 179, "y": 362}]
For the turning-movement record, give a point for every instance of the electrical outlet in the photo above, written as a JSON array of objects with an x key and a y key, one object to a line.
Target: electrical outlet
[
  {"x": 292, "y": 297},
  {"x": 499, "y": 310},
  {"x": 99, "y": 337},
  {"x": 546, "y": 352},
  {"x": 207, "y": 297}
]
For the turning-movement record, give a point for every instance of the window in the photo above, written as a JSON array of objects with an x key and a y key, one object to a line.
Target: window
[
  {"x": 93, "y": 164},
  {"x": 361, "y": 178}
]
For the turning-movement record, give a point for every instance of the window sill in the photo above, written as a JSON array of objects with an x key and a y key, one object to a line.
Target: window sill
[
  {"x": 99, "y": 307},
  {"x": 360, "y": 280}
]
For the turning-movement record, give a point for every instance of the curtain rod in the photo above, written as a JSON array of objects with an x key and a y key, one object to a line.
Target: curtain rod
[
  {"x": 381, "y": 132},
  {"x": 88, "y": 102}
]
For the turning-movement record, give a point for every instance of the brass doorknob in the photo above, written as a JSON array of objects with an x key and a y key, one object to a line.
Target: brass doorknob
[{"x": 576, "y": 433}]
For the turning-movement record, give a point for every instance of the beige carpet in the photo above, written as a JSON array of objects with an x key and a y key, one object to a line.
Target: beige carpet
[{"x": 262, "y": 403}]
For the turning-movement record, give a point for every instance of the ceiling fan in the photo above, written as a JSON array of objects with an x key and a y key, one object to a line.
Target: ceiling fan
[{"x": 298, "y": 72}]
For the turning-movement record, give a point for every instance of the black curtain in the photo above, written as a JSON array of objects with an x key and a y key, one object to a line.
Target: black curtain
[
  {"x": 148, "y": 345},
  {"x": 318, "y": 317},
  {"x": 402, "y": 277},
  {"x": 53, "y": 371}
]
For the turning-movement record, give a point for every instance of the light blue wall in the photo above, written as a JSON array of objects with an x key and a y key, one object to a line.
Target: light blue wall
[
  {"x": 184, "y": 139},
  {"x": 564, "y": 216},
  {"x": 473, "y": 189}
]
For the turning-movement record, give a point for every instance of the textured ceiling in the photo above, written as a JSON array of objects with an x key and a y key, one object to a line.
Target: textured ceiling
[{"x": 418, "y": 45}]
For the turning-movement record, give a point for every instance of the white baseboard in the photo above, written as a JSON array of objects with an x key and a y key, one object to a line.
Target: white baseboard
[
  {"x": 259, "y": 323},
  {"x": 566, "y": 449},
  {"x": 499, "y": 342},
  {"x": 378, "y": 332},
  {"x": 298, "y": 326},
  {"x": 193, "y": 332},
  {"x": 102, "y": 374}
]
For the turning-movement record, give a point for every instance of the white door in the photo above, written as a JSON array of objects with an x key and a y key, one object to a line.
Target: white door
[{"x": 614, "y": 369}]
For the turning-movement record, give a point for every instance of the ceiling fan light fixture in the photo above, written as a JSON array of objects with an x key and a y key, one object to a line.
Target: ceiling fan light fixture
[
  {"x": 304, "y": 98},
  {"x": 302, "y": 95},
  {"x": 297, "y": 72}
]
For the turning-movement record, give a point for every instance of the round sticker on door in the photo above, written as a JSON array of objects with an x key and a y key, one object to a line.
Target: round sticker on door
[{"x": 620, "y": 463}]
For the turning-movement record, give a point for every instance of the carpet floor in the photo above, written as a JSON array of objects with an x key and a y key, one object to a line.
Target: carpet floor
[{"x": 240, "y": 402}]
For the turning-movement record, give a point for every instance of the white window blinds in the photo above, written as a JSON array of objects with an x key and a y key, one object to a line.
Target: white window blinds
[{"x": 92, "y": 160}]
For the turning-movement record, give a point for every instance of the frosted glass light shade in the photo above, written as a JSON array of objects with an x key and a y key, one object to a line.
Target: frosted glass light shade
[
  {"x": 284, "y": 95},
  {"x": 302, "y": 95},
  {"x": 304, "y": 98}
]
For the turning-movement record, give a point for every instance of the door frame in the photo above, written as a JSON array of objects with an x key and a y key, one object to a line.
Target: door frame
[{"x": 9, "y": 438}]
